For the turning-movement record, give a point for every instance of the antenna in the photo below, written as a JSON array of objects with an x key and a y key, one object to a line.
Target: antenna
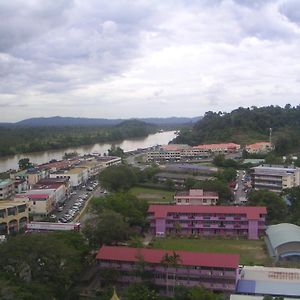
[{"x": 270, "y": 135}]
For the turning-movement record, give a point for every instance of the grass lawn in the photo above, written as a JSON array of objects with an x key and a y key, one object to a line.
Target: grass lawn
[
  {"x": 251, "y": 252},
  {"x": 152, "y": 195}
]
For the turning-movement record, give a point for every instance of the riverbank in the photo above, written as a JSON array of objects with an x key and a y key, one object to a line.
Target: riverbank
[{"x": 130, "y": 144}]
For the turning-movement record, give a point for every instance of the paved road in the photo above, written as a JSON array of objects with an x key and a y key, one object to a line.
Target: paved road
[
  {"x": 71, "y": 201},
  {"x": 239, "y": 195}
]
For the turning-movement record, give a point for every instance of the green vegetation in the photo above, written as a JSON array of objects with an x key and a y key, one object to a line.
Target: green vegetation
[
  {"x": 247, "y": 125},
  {"x": 115, "y": 218},
  {"x": 17, "y": 139},
  {"x": 152, "y": 195},
  {"x": 42, "y": 266},
  {"x": 251, "y": 252},
  {"x": 277, "y": 209}
]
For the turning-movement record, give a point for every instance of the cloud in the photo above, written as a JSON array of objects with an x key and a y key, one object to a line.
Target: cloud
[{"x": 125, "y": 58}]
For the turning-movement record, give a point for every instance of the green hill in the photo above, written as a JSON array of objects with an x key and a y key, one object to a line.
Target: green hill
[{"x": 247, "y": 125}]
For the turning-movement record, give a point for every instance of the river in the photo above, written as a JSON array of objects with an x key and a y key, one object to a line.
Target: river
[{"x": 160, "y": 138}]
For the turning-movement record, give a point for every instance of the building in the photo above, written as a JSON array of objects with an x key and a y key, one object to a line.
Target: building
[
  {"x": 275, "y": 177},
  {"x": 217, "y": 272},
  {"x": 283, "y": 242},
  {"x": 260, "y": 147},
  {"x": 175, "y": 152},
  {"x": 243, "y": 221},
  {"x": 7, "y": 189},
  {"x": 20, "y": 186},
  {"x": 56, "y": 190},
  {"x": 93, "y": 167},
  {"x": 77, "y": 176},
  {"x": 260, "y": 280},
  {"x": 108, "y": 161},
  {"x": 13, "y": 217},
  {"x": 196, "y": 197},
  {"x": 248, "y": 297},
  {"x": 39, "y": 205},
  {"x": 35, "y": 175},
  {"x": 223, "y": 148}
]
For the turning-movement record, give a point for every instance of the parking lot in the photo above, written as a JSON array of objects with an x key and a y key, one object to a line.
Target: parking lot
[{"x": 75, "y": 203}]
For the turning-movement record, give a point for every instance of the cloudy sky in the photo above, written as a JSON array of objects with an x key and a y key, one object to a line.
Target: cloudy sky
[{"x": 146, "y": 58}]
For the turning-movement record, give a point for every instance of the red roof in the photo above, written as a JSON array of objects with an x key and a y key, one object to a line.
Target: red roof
[
  {"x": 217, "y": 146},
  {"x": 252, "y": 212},
  {"x": 188, "y": 258},
  {"x": 258, "y": 145}
]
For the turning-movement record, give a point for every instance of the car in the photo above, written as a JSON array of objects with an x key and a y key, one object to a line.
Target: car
[
  {"x": 73, "y": 193},
  {"x": 89, "y": 188},
  {"x": 60, "y": 208}
]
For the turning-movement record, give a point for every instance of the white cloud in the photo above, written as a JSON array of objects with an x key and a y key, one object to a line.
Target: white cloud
[{"x": 160, "y": 58}]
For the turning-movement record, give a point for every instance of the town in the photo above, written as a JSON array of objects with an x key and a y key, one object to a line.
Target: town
[{"x": 206, "y": 222}]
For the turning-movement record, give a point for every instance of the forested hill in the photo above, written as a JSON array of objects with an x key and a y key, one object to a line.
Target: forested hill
[
  {"x": 29, "y": 139},
  {"x": 245, "y": 125},
  {"x": 72, "y": 121}
]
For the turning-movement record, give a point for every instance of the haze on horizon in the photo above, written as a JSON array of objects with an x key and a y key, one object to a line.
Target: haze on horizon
[{"x": 123, "y": 59}]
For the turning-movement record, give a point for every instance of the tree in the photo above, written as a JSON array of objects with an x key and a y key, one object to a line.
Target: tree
[
  {"x": 107, "y": 228},
  {"x": 48, "y": 261},
  {"x": 116, "y": 178},
  {"x": 24, "y": 164},
  {"x": 133, "y": 209},
  {"x": 170, "y": 261},
  {"x": 276, "y": 208},
  {"x": 139, "y": 291},
  {"x": 116, "y": 151}
]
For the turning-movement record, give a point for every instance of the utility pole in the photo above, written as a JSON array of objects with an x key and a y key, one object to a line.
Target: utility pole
[{"x": 270, "y": 135}]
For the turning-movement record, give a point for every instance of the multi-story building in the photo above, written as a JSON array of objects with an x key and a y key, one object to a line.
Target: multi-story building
[
  {"x": 196, "y": 197},
  {"x": 217, "y": 272},
  {"x": 260, "y": 147},
  {"x": 13, "y": 217},
  {"x": 77, "y": 176},
  {"x": 108, "y": 161},
  {"x": 275, "y": 177},
  {"x": 39, "y": 205},
  {"x": 244, "y": 221},
  {"x": 175, "y": 152},
  {"x": 20, "y": 185},
  {"x": 7, "y": 188}
]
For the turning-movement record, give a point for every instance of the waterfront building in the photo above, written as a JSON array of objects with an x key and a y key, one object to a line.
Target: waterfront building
[
  {"x": 7, "y": 189},
  {"x": 283, "y": 242},
  {"x": 196, "y": 197},
  {"x": 236, "y": 221},
  {"x": 175, "y": 152},
  {"x": 108, "y": 161},
  {"x": 13, "y": 217},
  {"x": 275, "y": 178},
  {"x": 217, "y": 272},
  {"x": 260, "y": 147}
]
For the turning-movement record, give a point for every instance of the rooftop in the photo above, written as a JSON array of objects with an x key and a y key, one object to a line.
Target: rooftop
[
  {"x": 217, "y": 146},
  {"x": 197, "y": 193},
  {"x": 8, "y": 204},
  {"x": 4, "y": 182},
  {"x": 252, "y": 212},
  {"x": 175, "y": 147},
  {"x": 155, "y": 256},
  {"x": 283, "y": 233},
  {"x": 258, "y": 145}
]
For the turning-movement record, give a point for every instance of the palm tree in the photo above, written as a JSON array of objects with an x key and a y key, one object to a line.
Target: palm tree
[{"x": 170, "y": 261}]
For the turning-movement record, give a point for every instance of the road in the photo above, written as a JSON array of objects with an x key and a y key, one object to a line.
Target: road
[
  {"x": 239, "y": 195},
  {"x": 71, "y": 201}
]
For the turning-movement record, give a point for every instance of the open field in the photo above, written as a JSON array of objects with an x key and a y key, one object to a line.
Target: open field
[
  {"x": 251, "y": 252},
  {"x": 152, "y": 195}
]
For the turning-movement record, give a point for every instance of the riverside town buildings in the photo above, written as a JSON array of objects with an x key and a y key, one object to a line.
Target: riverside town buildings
[
  {"x": 182, "y": 151},
  {"x": 275, "y": 178},
  {"x": 217, "y": 272},
  {"x": 243, "y": 221},
  {"x": 196, "y": 197},
  {"x": 13, "y": 217}
]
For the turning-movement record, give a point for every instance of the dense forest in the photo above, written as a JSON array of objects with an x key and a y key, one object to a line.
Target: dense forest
[
  {"x": 29, "y": 139},
  {"x": 247, "y": 125}
]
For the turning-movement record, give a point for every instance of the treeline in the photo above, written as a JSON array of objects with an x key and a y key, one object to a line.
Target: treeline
[
  {"x": 15, "y": 140},
  {"x": 247, "y": 125}
]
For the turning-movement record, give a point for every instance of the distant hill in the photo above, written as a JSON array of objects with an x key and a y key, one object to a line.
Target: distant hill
[
  {"x": 69, "y": 121},
  {"x": 246, "y": 125}
]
